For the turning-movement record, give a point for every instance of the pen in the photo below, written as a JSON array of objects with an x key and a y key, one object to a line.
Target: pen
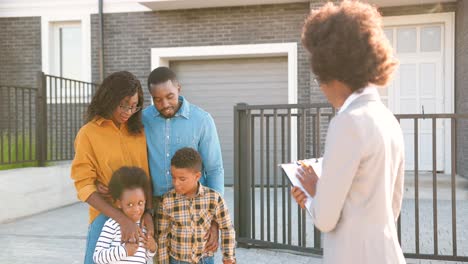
[{"x": 301, "y": 163}]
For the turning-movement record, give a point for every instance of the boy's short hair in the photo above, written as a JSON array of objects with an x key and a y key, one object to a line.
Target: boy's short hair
[
  {"x": 127, "y": 178},
  {"x": 187, "y": 158}
]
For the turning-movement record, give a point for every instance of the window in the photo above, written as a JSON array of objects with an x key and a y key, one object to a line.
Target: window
[{"x": 66, "y": 59}]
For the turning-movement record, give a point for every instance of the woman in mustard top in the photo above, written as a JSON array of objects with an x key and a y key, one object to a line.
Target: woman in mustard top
[{"x": 112, "y": 137}]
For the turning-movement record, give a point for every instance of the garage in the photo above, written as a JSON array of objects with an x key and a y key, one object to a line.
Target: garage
[{"x": 217, "y": 85}]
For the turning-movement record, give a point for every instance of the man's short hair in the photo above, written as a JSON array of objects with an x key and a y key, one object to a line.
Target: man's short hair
[
  {"x": 187, "y": 158},
  {"x": 161, "y": 75}
]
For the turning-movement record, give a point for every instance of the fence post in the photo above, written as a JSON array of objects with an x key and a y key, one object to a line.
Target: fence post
[
  {"x": 317, "y": 153},
  {"x": 41, "y": 119},
  {"x": 242, "y": 172}
]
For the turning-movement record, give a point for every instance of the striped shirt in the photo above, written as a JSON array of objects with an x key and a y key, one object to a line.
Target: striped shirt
[
  {"x": 184, "y": 222},
  {"x": 110, "y": 250}
]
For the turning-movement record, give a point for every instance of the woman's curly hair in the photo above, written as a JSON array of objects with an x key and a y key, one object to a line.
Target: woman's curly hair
[
  {"x": 347, "y": 43},
  {"x": 111, "y": 92}
]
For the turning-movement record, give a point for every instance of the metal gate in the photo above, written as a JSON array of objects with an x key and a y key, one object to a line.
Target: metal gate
[{"x": 265, "y": 214}]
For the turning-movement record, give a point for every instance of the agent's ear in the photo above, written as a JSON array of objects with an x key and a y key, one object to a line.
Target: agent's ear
[{"x": 118, "y": 203}]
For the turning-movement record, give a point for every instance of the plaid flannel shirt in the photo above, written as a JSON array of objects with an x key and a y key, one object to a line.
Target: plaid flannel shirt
[{"x": 184, "y": 222}]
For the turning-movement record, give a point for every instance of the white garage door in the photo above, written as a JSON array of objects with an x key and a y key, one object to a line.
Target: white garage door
[{"x": 217, "y": 85}]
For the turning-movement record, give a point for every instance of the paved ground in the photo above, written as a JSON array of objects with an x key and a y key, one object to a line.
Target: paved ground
[{"x": 58, "y": 236}]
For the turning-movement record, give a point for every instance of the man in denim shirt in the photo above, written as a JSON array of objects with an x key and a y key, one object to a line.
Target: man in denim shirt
[{"x": 172, "y": 123}]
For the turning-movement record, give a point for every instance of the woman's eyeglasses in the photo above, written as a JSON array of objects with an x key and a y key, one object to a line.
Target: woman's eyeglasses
[{"x": 132, "y": 109}]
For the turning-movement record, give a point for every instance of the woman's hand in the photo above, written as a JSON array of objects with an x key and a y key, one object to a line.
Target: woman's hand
[
  {"x": 131, "y": 248},
  {"x": 103, "y": 190},
  {"x": 308, "y": 178},
  {"x": 130, "y": 231},
  {"x": 147, "y": 222},
  {"x": 299, "y": 196}
]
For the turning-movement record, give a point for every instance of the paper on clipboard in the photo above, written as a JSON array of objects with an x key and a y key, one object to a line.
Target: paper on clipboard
[{"x": 290, "y": 171}]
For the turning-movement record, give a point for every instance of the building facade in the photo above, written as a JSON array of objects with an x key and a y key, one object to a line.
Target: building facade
[{"x": 243, "y": 51}]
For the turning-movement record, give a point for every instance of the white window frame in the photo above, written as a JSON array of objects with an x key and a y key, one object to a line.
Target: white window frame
[
  {"x": 55, "y": 54},
  {"x": 47, "y": 36}
]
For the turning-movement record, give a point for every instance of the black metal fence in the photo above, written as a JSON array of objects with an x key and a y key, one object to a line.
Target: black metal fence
[
  {"x": 17, "y": 124},
  {"x": 38, "y": 124},
  {"x": 447, "y": 231},
  {"x": 266, "y": 216},
  {"x": 265, "y": 136}
]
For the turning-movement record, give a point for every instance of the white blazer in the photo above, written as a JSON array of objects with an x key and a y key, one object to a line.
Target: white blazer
[{"x": 360, "y": 191}]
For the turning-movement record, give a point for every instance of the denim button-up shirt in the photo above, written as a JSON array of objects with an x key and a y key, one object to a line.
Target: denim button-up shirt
[{"x": 190, "y": 127}]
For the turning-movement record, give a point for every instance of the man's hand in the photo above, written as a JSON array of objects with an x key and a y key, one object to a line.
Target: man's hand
[
  {"x": 308, "y": 178},
  {"x": 147, "y": 222},
  {"x": 103, "y": 191},
  {"x": 212, "y": 237},
  {"x": 228, "y": 261},
  {"x": 131, "y": 248}
]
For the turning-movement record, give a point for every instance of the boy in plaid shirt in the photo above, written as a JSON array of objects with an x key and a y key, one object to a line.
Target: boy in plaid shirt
[{"x": 186, "y": 213}]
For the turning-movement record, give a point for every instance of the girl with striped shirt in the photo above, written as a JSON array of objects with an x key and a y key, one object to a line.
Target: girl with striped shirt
[{"x": 128, "y": 188}]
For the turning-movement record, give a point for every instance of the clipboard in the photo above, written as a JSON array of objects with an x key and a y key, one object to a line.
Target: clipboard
[{"x": 290, "y": 172}]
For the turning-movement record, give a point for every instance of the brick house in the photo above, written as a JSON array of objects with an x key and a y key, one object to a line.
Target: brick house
[{"x": 230, "y": 51}]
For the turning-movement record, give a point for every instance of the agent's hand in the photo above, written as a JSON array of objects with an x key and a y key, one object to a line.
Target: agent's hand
[
  {"x": 130, "y": 231},
  {"x": 147, "y": 222},
  {"x": 228, "y": 261},
  {"x": 103, "y": 191},
  {"x": 299, "y": 196},
  {"x": 212, "y": 237},
  {"x": 131, "y": 248},
  {"x": 308, "y": 178}
]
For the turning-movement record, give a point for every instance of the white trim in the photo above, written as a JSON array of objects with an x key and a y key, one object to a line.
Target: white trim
[
  {"x": 448, "y": 21},
  {"x": 46, "y": 38},
  {"x": 162, "y": 57},
  {"x": 26, "y": 8},
  {"x": 159, "y": 5}
]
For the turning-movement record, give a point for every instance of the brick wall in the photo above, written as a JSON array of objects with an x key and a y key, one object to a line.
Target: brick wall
[
  {"x": 20, "y": 50},
  {"x": 461, "y": 83},
  {"x": 20, "y": 58},
  {"x": 130, "y": 36}
]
